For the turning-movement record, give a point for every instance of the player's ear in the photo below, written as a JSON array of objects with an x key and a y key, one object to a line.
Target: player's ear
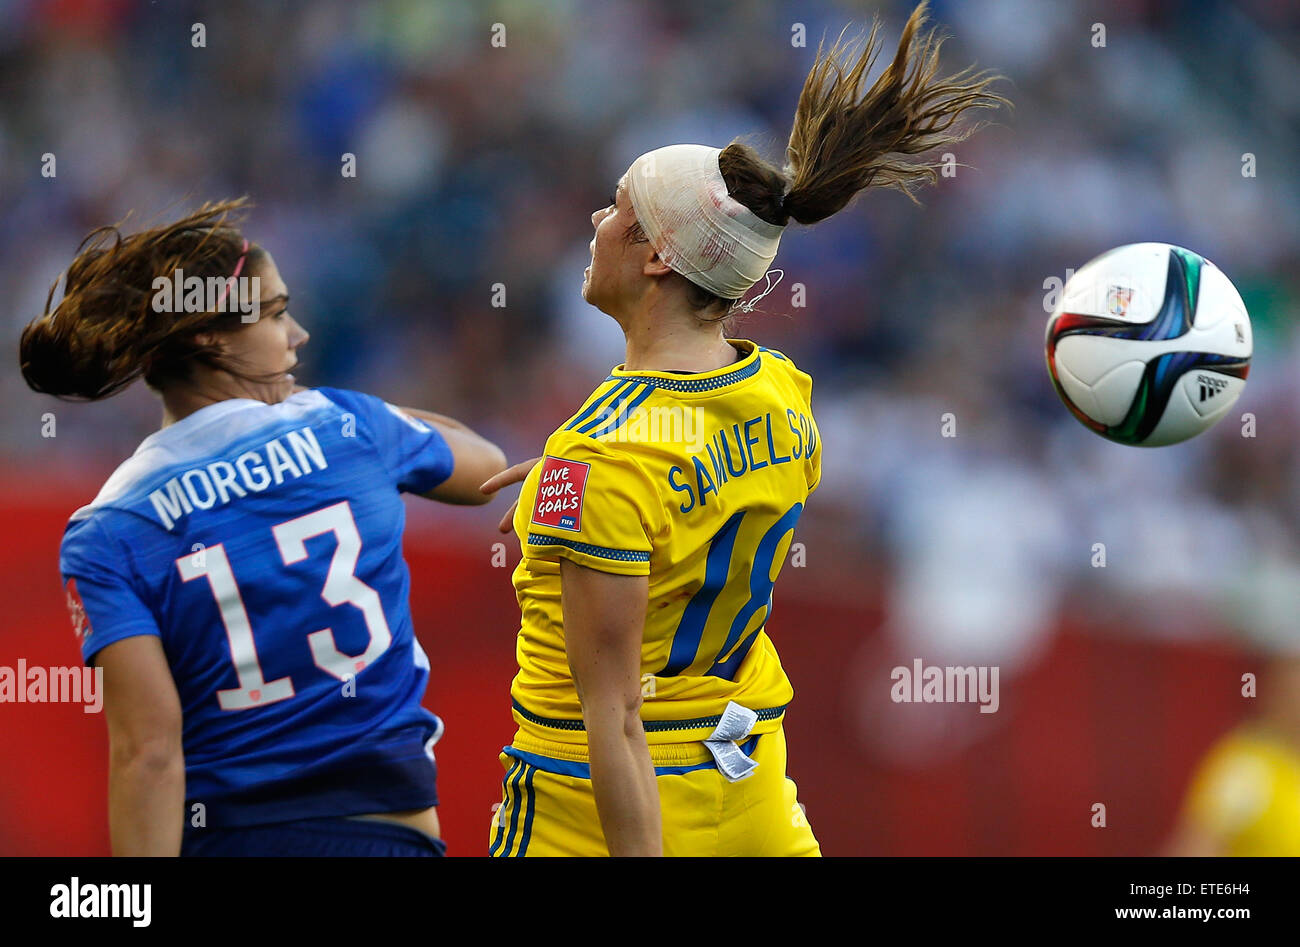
[{"x": 656, "y": 267}]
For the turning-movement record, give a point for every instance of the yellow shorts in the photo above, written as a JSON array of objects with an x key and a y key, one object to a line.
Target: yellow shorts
[{"x": 548, "y": 807}]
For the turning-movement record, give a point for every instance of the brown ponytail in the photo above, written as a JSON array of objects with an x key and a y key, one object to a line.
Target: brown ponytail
[
  {"x": 106, "y": 332},
  {"x": 843, "y": 141}
]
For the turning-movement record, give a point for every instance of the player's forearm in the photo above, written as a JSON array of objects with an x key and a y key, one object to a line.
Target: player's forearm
[
  {"x": 146, "y": 804},
  {"x": 441, "y": 421},
  {"x": 476, "y": 459},
  {"x": 623, "y": 782}
]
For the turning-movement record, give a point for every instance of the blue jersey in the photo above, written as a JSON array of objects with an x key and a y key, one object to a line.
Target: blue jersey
[{"x": 263, "y": 545}]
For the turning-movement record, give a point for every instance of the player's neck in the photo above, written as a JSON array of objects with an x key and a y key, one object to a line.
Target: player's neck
[
  {"x": 656, "y": 344},
  {"x": 679, "y": 355},
  {"x": 182, "y": 401}
]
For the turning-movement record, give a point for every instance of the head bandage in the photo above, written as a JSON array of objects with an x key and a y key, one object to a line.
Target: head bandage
[{"x": 695, "y": 226}]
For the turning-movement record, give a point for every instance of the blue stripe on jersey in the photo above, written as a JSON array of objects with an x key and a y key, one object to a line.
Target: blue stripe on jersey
[
  {"x": 727, "y": 669},
  {"x": 549, "y": 764},
  {"x": 621, "y": 418},
  {"x": 514, "y": 809},
  {"x": 619, "y": 391},
  {"x": 760, "y": 588},
  {"x": 529, "y": 804},
  {"x": 771, "y": 352},
  {"x": 595, "y": 404},
  {"x": 690, "y": 629},
  {"x": 505, "y": 804},
  {"x": 602, "y": 552},
  {"x": 614, "y": 411}
]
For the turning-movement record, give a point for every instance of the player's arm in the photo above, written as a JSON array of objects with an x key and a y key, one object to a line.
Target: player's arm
[
  {"x": 146, "y": 767},
  {"x": 604, "y": 619},
  {"x": 476, "y": 460}
]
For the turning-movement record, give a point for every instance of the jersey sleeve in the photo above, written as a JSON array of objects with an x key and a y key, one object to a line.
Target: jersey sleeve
[
  {"x": 418, "y": 457},
  {"x": 103, "y": 600},
  {"x": 593, "y": 505}
]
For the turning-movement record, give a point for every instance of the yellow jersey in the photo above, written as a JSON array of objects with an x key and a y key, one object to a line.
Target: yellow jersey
[
  {"x": 1247, "y": 792},
  {"x": 697, "y": 481}
]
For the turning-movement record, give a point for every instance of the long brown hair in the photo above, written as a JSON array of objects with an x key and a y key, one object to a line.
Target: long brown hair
[
  {"x": 106, "y": 332},
  {"x": 844, "y": 141}
]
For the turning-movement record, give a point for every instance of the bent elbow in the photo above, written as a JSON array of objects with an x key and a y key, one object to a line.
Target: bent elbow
[
  {"x": 490, "y": 462},
  {"x": 494, "y": 462},
  {"x": 147, "y": 755},
  {"x": 617, "y": 711}
]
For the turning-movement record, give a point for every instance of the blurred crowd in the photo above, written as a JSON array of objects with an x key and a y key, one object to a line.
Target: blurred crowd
[{"x": 486, "y": 133}]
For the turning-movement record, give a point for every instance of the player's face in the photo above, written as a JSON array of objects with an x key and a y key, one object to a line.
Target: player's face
[
  {"x": 616, "y": 274},
  {"x": 269, "y": 346}
]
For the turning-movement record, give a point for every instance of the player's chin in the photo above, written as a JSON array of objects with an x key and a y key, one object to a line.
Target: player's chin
[{"x": 592, "y": 295}]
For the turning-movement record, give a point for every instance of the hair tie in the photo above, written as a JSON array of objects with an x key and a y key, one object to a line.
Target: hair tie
[
  {"x": 769, "y": 284},
  {"x": 239, "y": 266}
]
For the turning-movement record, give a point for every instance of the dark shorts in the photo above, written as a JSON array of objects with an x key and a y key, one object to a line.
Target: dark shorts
[{"x": 315, "y": 838}]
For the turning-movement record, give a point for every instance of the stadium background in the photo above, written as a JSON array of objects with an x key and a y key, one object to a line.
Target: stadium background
[{"x": 479, "y": 165}]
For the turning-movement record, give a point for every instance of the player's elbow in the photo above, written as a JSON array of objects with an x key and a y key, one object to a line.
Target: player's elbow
[
  {"x": 475, "y": 461},
  {"x": 611, "y": 709},
  {"x": 489, "y": 462},
  {"x": 149, "y": 753}
]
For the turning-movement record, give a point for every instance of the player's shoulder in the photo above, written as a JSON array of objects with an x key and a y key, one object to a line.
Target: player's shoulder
[
  {"x": 773, "y": 354},
  {"x": 94, "y": 534},
  {"x": 606, "y": 466},
  {"x": 579, "y": 472},
  {"x": 575, "y": 445},
  {"x": 598, "y": 409},
  {"x": 343, "y": 399},
  {"x": 371, "y": 408},
  {"x": 780, "y": 365}
]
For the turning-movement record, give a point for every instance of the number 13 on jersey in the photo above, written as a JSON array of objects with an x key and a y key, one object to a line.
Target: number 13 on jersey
[{"x": 341, "y": 587}]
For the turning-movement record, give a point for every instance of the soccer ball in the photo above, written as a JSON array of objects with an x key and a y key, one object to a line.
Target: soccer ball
[{"x": 1149, "y": 345}]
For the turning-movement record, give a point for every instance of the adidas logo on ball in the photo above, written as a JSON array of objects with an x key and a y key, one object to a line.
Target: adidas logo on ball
[{"x": 1210, "y": 386}]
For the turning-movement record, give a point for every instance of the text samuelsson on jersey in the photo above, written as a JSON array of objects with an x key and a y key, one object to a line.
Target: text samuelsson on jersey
[
  {"x": 220, "y": 481},
  {"x": 698, "y": 488}
]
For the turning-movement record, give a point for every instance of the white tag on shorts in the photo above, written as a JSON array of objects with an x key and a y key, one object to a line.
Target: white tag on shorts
[{"x": 734, "y": 726}]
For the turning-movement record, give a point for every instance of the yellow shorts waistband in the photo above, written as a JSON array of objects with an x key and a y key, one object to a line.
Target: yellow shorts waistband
[
  {"x": 661, "y": 754},
  {"x": 572, "y": 731}
]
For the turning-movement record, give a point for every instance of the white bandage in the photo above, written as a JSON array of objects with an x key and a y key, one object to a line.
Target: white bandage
[{"x": 695, "y": 226}]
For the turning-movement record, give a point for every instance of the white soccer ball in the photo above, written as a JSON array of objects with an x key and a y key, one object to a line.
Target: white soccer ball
[{"x": 1149, "y": 345}]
